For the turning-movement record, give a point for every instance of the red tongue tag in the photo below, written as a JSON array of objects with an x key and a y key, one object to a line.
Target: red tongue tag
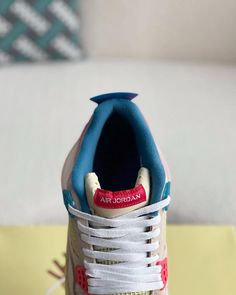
[{"x": 119, "y": 199}]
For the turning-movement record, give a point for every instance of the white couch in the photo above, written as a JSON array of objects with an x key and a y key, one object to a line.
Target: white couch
[{"x": 191, "y": 109}]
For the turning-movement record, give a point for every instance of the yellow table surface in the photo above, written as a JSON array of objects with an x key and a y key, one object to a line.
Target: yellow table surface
[{"x": 202, "y": 259}]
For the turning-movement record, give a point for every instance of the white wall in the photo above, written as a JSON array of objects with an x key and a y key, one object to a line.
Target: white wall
[{"x": 178, "y": 29}]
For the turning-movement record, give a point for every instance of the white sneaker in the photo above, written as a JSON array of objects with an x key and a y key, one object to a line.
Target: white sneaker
[{"x": 116, "y": 189}]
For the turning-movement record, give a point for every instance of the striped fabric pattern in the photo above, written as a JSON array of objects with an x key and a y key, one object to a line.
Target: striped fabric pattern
[{"x": 38, "y": 30}]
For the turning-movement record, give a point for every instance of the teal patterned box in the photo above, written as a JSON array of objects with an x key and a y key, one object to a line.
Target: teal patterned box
[{"x": 38, "y": 30}]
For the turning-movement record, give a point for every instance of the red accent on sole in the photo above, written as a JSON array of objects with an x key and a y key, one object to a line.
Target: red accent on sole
[
  {"x": 164, "y": 270},
  {"x": 81, "y": 278}
]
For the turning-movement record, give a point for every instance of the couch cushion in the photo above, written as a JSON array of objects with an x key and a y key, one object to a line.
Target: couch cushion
[
  {"x": 38, "y": 30},
  {"x": 190, "y": 109}
]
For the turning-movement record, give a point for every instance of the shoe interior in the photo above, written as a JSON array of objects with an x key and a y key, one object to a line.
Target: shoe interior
[
  {"x": 117, "y": 159},
  {"x": 115, "y": 145}
]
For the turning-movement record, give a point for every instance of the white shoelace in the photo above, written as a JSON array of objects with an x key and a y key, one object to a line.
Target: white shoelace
[
  {"x": 55, "y": 286},
  {"x": 127, "y": 239}
]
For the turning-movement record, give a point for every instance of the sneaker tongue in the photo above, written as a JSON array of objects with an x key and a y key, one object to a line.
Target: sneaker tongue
[{"x": 110, "y": 204}]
